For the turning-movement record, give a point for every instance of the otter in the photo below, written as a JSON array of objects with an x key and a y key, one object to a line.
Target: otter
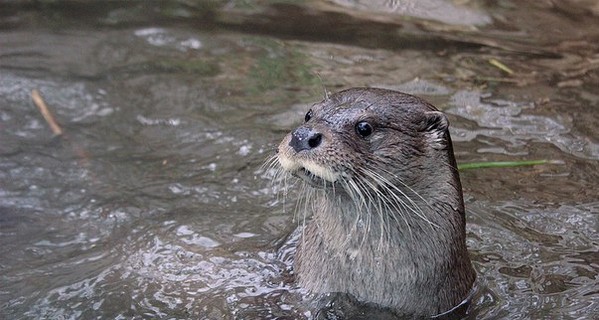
[{"x": 384, "y": 194}]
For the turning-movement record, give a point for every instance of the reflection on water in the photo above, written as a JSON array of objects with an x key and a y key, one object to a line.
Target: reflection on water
[{"x": 154, "y": 203}]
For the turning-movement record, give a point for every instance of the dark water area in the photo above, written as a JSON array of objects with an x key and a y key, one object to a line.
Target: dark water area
[{"x": 154, "y": 203}]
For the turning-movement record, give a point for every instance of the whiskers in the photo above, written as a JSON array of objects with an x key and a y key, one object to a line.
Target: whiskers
[
  {"x": 383, "y": 201},
  {"x": 283, "y": 181},
  {"x": 278, "y": 177},
  {"x": 370, "y": 203},
  {"x": 403, "y": 199}
]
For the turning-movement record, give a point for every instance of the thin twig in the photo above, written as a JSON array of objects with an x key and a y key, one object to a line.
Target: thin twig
[
  {"x": 499, "y": 65},
  {"x": 43, "y": 108}
]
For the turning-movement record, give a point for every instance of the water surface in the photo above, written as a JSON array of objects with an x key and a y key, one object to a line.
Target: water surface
[{"x": 154, "y": 204}]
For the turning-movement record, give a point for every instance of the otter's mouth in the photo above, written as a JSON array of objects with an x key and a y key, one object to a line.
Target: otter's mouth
[
  {"x": 309, "y": 177},
  {"x": 313, "y": 173}
]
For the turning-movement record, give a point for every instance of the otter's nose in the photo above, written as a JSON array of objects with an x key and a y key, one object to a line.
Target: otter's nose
[{"x": 304, "y": 138}]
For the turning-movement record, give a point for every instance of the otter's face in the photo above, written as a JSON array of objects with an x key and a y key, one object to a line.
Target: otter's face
[{"x": 366, "y": 135}]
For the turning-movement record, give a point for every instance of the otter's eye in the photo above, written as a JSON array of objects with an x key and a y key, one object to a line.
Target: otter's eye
[
  {"x": 308, "y": 116},
  {"x": 364, "y": 129}
]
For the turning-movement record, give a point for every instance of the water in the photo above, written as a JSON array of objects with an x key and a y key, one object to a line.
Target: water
[{"x": 154, "y": 205}]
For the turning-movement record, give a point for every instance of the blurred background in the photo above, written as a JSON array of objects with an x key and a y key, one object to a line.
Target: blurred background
[{"x": 153, "y": 202}]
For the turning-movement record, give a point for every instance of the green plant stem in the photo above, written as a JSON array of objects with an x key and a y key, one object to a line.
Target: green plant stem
[{"x": 502, "y": 164}]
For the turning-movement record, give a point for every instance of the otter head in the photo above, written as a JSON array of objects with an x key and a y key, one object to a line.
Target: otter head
[{"x": 370, "y": 138}]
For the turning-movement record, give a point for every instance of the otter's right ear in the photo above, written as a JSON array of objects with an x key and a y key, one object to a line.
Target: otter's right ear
[{"x": 435, "y": 125}]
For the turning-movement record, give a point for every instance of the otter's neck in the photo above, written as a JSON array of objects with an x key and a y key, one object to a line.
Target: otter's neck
[{"x": 413, "y": 260}]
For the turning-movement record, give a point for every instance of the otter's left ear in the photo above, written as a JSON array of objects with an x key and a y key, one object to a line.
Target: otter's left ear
[{"x": 435, "y": 125}]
